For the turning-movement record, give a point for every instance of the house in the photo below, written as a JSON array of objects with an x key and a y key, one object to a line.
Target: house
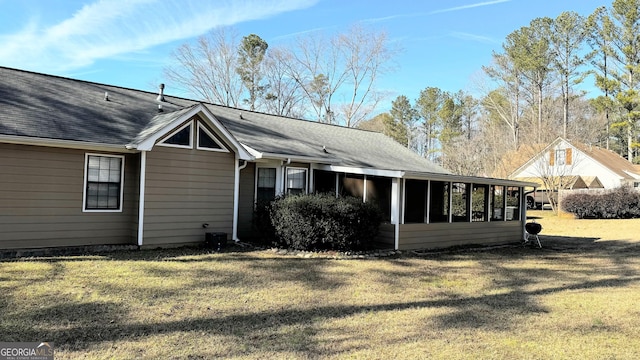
[
  {"x": 92, "y": 164},
  {"x": 598, "y": 167}
]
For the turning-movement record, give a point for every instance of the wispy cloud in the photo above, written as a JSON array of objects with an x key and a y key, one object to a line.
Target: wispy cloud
[
  {"x": 439, "y": 11},
  {"x": 474, "y": 37},
  {"x": 298, "y": 33},
  {"x": 108, "y": 28},
  {"x": 463, "y": 7}
]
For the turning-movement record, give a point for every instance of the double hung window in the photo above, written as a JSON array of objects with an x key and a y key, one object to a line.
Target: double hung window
[{"x": 104, "y": 175}]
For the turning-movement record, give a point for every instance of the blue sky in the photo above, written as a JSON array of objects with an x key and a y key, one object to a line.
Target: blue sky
[{"x": 128, "y": 42}]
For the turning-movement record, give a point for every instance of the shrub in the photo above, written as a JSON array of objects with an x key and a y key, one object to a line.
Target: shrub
[
  {"x": 620, "y": 203},
  {"x": 321, "y": 222},
  {"x": 262, "y": 223}
]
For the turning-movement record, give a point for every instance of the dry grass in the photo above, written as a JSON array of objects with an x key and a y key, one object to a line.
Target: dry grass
[{"x": 575, "y": 298}]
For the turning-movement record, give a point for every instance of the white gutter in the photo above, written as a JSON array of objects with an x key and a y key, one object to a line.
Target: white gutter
[
  {"x": 466, "y": 179},
  {"x": 143, "y": 176},
  {"x": 236, "y": 197},
  {"x": 362, "y": 171}
]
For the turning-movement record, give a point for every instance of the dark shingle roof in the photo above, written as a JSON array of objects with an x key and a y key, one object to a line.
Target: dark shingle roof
[{"x": 50, "y": 107}]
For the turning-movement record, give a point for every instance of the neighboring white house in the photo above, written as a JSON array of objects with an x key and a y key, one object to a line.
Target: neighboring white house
[{"x": 564, "y": 159}]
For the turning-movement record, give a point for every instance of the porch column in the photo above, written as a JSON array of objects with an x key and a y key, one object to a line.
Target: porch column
[
  {"x": 364, "y": 189},
  {"x": 523, "y": 211},
  {"x": 143, "y": 176},
  {"x": 396, "y": 208},
  {"x": 236, "y": 198}
]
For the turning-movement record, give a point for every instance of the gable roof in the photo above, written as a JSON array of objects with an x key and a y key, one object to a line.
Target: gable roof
[
  {"x": 610, "y": 159},
  {"x": 607, "y": 158},
  {"x": 46, "y": 107},
  {"x": 515, "y": 159}
]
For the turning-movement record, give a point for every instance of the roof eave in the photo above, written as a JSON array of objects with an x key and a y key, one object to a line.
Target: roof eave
[
  {"x": 67, "y": 144},
  {"x": 289, "y": 157},
  {"x": 467, "y": 179}
]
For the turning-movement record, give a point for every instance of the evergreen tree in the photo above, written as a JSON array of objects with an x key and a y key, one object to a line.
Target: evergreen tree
[{"x": 250, "y": 56}]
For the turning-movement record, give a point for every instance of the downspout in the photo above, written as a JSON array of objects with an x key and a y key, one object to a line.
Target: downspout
[
  {"x": 143, "y": 176},
  {"x": 236, "y": 197}
]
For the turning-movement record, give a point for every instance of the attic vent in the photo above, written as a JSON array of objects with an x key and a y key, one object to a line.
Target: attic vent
[
  {"x": 106, "y": 96},
  {"x": 161, "y": 93}
]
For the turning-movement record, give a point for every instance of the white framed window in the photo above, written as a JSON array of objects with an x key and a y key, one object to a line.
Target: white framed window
[
  {"x": 180, "y": 138},
  {"x": 207, "y": 141},
  {"x": 561, "y": 157},
  {"x": 265, "y": 184},
  {"x": 103, "y": 180},
  {"x": 296, "y": 181}
]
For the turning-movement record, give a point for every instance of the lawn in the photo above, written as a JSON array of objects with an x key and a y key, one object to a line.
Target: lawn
[{"x": 577, "y": 297}]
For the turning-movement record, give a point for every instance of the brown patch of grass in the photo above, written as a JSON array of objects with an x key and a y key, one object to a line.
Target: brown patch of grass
[{"x": 574, "y": 298}]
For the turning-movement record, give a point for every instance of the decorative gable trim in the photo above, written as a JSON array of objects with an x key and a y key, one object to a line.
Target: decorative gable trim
[{"x": 208, "y": 118}]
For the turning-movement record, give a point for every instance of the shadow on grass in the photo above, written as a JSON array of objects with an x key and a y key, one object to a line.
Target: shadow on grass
[{"x": 79, "y": 326}]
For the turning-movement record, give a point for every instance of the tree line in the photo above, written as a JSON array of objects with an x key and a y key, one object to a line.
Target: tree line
[
  {"x": 531, "y": 93},
  {"x": 327, "y": 79}
]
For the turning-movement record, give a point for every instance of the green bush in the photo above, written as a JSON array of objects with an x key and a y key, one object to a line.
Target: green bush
[
  {"x": 321, "y": 222},
  {"x": 620, "y": 203}
]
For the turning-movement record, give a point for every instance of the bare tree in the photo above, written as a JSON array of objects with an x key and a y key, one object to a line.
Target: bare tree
[
  {"x": 284, "y": 96},
  {"x": 207, "y": 69},
  {"x": 366, "y": 55},
  {"x": 338, "y": 75},
  {"x": 504, "y": 102}
]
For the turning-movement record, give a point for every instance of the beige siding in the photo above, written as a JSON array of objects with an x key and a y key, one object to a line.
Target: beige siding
[
  {"x": 420, "y": 236},
  {"x": 247, "y": 196},
  {"x": 387, "y": 235},
  {"x": 41, "y": 200},
  {"x": 184, "y": 190}
]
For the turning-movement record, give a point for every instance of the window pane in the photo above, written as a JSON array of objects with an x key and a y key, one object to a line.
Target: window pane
[
  {"x": 513, "y": 203},
  {"x": 182, "y": 137},
  {"x": 92, "y": 195},
  {"x": 266, "y": 184},
  {"x": 206, "y": 141},
  {"x": 266, "y": 177},
  {"x": 92, "y": 174},
  {"x": 459, "y": 201},
  {"x": 497, "y": 203},
  {"x": 439, "y": 202},
  {"x": 478, "y": 202},
  {"x": 296, "y": 181}
]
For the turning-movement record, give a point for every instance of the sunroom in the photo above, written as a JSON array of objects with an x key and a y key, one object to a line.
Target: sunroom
[{"x": 433, "y": 210}]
